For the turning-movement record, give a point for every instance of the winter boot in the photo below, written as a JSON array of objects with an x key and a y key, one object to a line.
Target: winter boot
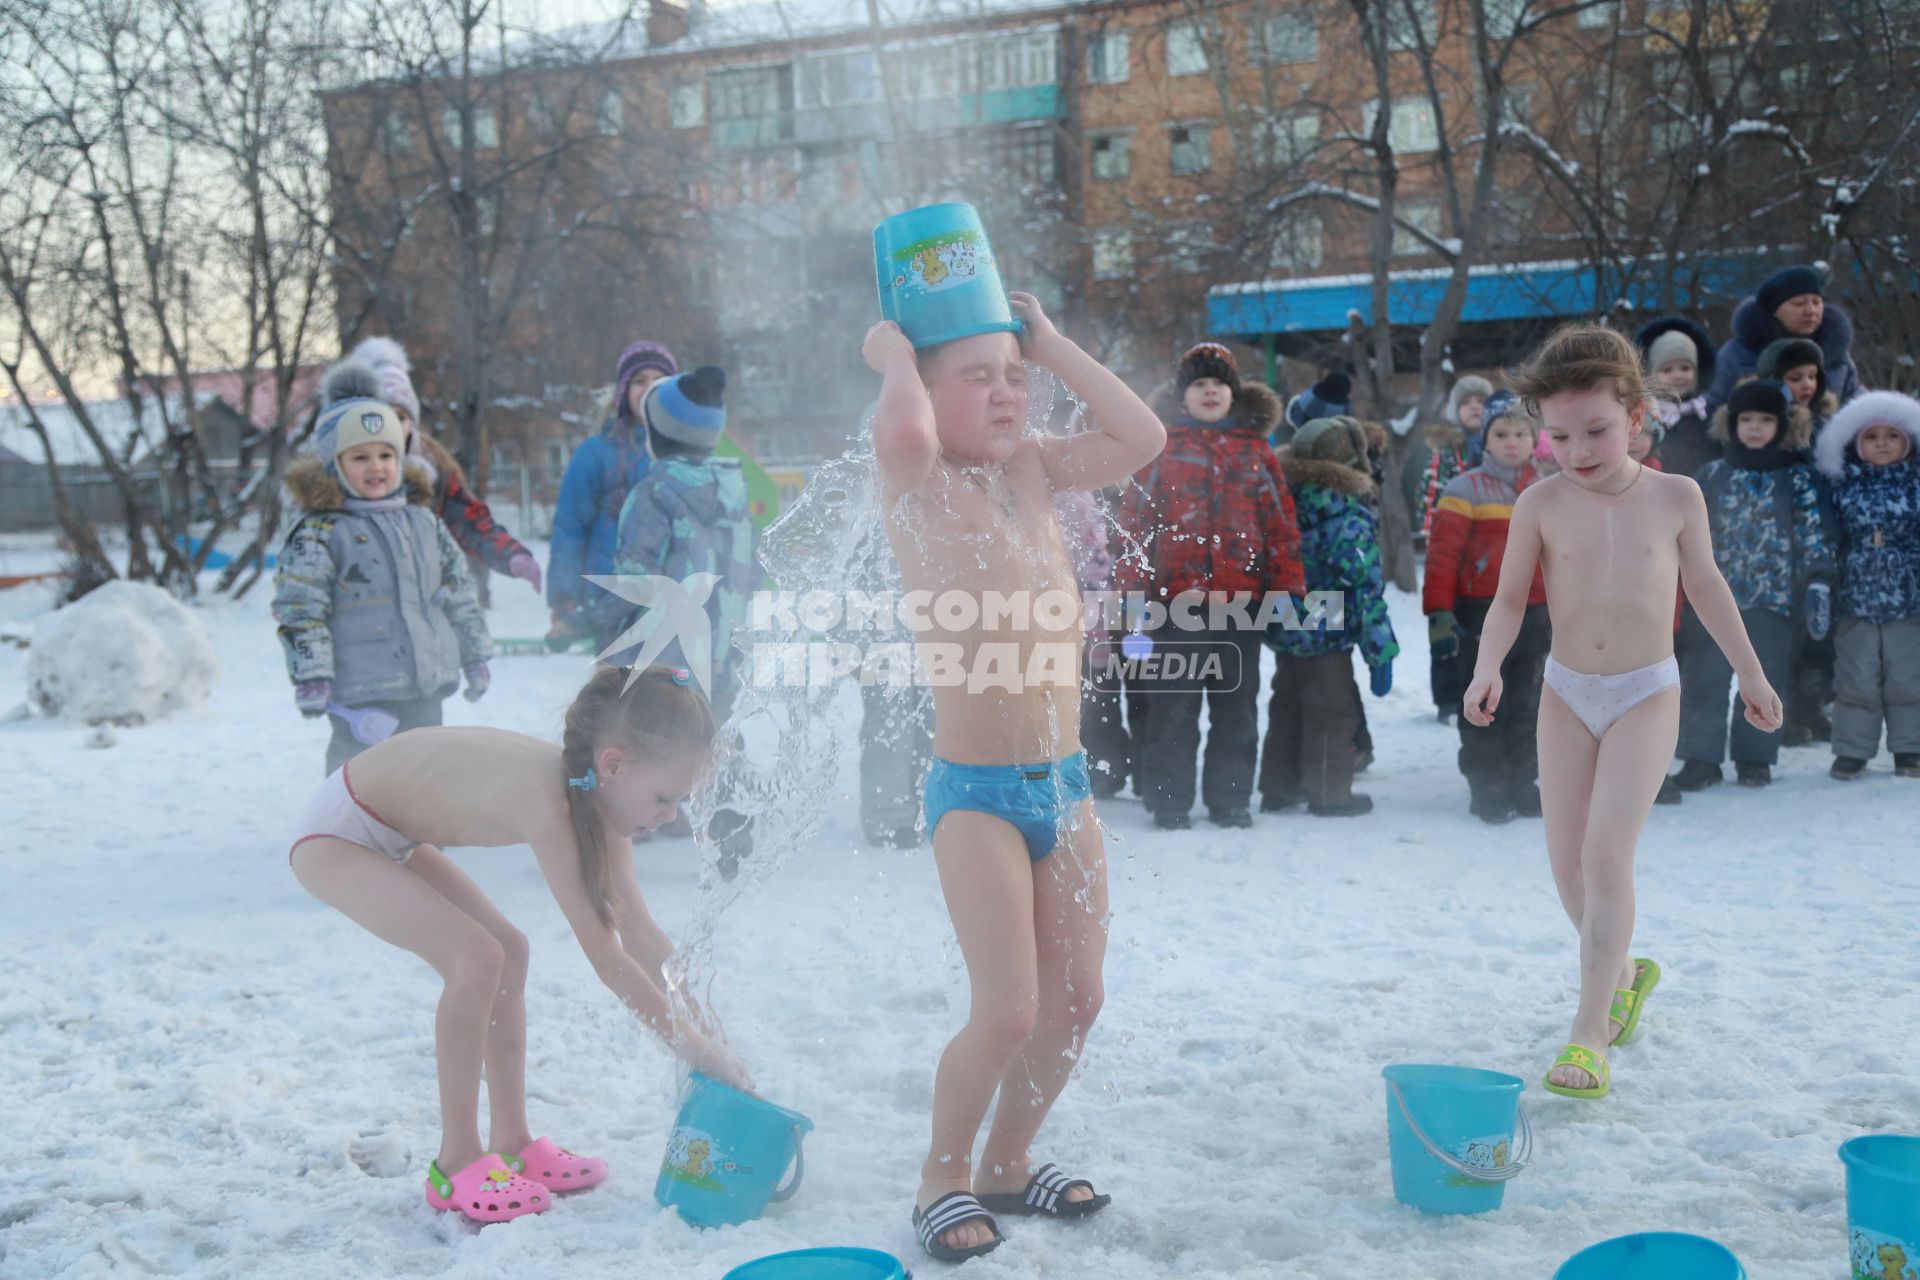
[
  {"x": 1847, "y": 768},
  {"x": 1906, "y": 764},
  {"x": 1669, "y": 792},
  {"x": 1526, "y": 800},
  {"x": 1751, "y": 773},
  {"x": 1697, "y": 775},
  {"x": 1351, "y": 807},
  {"x": 1230, "y": 817},
  {"x": 1489, "y": 803}
]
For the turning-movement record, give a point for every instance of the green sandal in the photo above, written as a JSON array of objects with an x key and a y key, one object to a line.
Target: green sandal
[
  {"x": 1587, "y": 1060},
  {"x": 1627, "y": 1005}
]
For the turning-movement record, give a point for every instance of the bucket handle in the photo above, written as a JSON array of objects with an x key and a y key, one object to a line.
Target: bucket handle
[
  {"x": 1511, "y": 1170},
  {"x": 792, "y": 1188}
]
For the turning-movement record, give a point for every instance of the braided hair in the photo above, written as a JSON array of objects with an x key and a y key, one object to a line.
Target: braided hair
[{"x": 659, "y": 717}]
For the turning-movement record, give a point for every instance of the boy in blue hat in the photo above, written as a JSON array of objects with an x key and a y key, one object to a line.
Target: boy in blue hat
[{"x": 969, "y": 496}]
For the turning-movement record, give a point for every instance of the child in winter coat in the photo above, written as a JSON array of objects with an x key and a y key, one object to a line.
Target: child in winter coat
[
  {"x": 1103, "y": 730},
  {"x": 1452, "y": 446},
  {"x": 1679, "y": 359},
  {"x": 1797, "y": 362},
  {"x": 1870, "y": 451},
  {"x": 466, "y": 514},
  {"x": 375, "y": 607},
  {"x": 586, "y": 515},
  {"x": 1500, "y": 761},
  {"x": 1212, "y": 514},
  {"x": 1763, "y": 506},
  {"x": 1309, "y": 751}
]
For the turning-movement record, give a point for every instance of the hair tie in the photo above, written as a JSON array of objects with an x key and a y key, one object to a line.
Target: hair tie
[
  {"x": 679, "y": 675},
  {"x": 589, "y": 783}
]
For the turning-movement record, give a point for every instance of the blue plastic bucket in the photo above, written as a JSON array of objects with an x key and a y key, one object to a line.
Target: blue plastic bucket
[
  {"x": 727, "y": 1155},
  {"x": 1653, "y": 1255},
  {"x": 1450, "y": 1133},
  {"x": 937, "y": 277},
  {"x": 1883, "y": 1204},
  {"x": 823, "y": 1264}
]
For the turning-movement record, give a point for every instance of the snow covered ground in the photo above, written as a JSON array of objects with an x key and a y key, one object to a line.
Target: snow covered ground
[{"x": 213, "y": 1075}]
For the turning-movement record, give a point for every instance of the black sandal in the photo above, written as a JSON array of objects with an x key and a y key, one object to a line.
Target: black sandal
[
  {"x": 943, "y": 1215},
  {"x": 1046, "y": 1197}
]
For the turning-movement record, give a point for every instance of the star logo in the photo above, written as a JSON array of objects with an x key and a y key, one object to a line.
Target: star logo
[{"x": 673, "y": 610}]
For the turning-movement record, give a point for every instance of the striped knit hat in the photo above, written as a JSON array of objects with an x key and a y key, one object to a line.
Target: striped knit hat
[{"x": 688, "y": 408}]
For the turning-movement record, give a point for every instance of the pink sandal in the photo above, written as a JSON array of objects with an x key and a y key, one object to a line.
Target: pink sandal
[
  {"x": 556, "y": 1168},
  {"x": 486, "y": 1191}
]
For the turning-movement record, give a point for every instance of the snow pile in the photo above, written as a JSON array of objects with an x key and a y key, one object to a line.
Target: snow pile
[{"x": 125, "y": 653}]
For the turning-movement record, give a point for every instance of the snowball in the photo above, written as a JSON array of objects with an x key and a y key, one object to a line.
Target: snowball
[{"x": 126, "y": 652}]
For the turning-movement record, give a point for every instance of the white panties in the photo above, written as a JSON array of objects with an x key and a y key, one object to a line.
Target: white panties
[
  {"x": 1601, "y": 700},
  {"x": 338, "y": 813}
]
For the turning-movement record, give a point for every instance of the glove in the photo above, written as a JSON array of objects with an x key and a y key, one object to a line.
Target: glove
[
  {"x": 525, "y": 568},
  {"x": 1443, "y": 634},
  {"x": 1819, "y": 610},
  {"x": 1382, "y": 678},
  {"x": 478, "y": 678},
  {"x": 312, "y": 696}
]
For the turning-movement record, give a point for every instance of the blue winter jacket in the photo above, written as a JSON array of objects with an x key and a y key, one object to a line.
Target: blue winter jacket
[
  {"x": 586, "y": 518},
  {"x": 1880, "y": 517},
  {"x": 1339, "y": 545},
  {"x": 1769, "y": 537}
]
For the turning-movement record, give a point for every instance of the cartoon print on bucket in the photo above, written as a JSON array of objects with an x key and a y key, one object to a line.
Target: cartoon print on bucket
[
  {"x": 691, "y": 1159},
  {"x": 728, "y": 1154},
  {"x": 1489, "y": 1153},
  {"x": 944, "y": 262},
  {"x": 1882, "y": 1257}
]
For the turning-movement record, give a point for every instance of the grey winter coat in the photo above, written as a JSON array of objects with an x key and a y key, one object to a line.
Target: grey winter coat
[{"x": 374, "y": 596}]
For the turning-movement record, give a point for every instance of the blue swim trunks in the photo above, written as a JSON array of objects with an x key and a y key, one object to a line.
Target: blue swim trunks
[{"x": 1038, "y": 799}]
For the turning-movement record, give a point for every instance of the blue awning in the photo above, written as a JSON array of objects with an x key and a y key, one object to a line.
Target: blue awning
[{"x": 1503, "y": 291}]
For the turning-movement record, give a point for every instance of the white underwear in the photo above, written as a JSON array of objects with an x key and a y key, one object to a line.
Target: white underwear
[
  {"x": 1601, "y": 700},
  {"x": 338, "y": 813}
]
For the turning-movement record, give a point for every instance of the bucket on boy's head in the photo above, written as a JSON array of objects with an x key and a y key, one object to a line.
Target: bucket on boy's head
[
  {"x": 1883, "y": 1205},
  {"x": 822, "y": 1264},
  {"x": 727, "y": 1155},
  {"x": 937, "y": 276},
  {"x": 1450, "y": 1133},
  {"x": 1653, "y": 1255}
]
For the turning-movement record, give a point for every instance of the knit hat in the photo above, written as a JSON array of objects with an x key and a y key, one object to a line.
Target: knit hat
[
  {"x": 1792, "y": 353},
  {"x": 1761, "y": 395},
  {"x": 1785, "y": 285},
  {"x": 687, "y": 408},
  {"x": 347, "y": 424},
  {"x": 1208, "y": 360},
  {"x": 1465, "y": 389},
  {"x": 1672, "y": 345},
  {"x": 1331, "y": 397},
  {"x": 641, "y": 355},
  {"x": 1340, "y": 439},
  {"x": 1504, "y": 403},
  {"x": 393, "y": 374}
]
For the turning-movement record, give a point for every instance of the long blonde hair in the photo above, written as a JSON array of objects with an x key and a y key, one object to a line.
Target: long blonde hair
[{"x": 662, "y": 716}]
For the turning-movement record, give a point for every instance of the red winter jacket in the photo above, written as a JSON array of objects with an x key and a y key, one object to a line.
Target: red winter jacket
[
  {"x": 1469, "y": 537},
  {"x": 1213, "y": 512},
  {"x": 467, "y": 516}
]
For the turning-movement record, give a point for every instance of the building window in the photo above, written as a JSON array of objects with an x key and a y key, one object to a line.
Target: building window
[
  {"x": 752, "y": 106},
  {"x": 556, "y": 455},
  {"x": 1031, "y": 157},
  {"x": 611, "y": 116},
  {"x": 687, "y": 104},
  {"x": 1188, "y": 244},
  {"x": 1191, "y": 147},
  {"x": 1671, "y": 134},
  {"x": 1112, "y": 253},
  {"x": 1410, "y": 24},
  {"x": 838, "y": 80},
  {"x": 486, "y": 128},
  {"x": 1504, "y": 17},
  {"x": 1298, "y": 244},
  {"x": 1421, "y": 213},
  {"x": 1599, "y": 16},
  {"x": 1186, "y": 51},
  {"x": 1286, "y": 140},
  {"x": 1112, "y": 157},
  {"x": 542, "y": 120},
  {"x": 1286, "y": 38},
  {"x": 1412, "y": 127},
  {"x": 1107, "y": 58},
  {"x": 1516, "y": 105},
  {"x": 1590, "y": 113},
  {"x": 486, "y": 213},
  {"x": 396, "y": 135},
  {"x": 1020, "y": 60}
]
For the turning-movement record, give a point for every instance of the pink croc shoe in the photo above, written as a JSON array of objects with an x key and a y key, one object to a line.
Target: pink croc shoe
[
  {"x": 558, "y": 1169},
  {"x": 486, "y": 1191}
]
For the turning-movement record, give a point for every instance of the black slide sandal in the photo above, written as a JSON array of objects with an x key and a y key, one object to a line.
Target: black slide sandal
[
  {"x": 943, "y": 1215},
  {"x": 1046, "y": 1197}
]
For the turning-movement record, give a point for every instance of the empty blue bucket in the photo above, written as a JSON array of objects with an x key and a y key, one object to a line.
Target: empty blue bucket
[
  {"x": 1450, "y": 1133},
  {"x": 1883, "y": 1205},
  {"x": 727, "y": 1155},
  {"x": 1653, "y": 1255},
  {"x": 937, "y": 277},
  {"x": 823, "y": 1264}
]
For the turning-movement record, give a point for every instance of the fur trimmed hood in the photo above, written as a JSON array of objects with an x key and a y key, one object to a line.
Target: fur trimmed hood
[
  {"x": 1871, "y": 409},
  {"x": 1795, "y": 436},
  {"x": 1705, "y": 361},
  {"x": 314, "y": 487},
  {"x": 1757, "y": 330},
  {"x": 1445, "y": 435},
  {"x": 1334, "y": 476},
  {"x": 1470, "y": 385},
  {"x": 1256, "y": 405}
]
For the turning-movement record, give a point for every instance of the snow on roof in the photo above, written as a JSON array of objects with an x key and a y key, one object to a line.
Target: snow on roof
[
  {"x": 777, "y": 20},
  {"x": 71, "y": 446}
]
